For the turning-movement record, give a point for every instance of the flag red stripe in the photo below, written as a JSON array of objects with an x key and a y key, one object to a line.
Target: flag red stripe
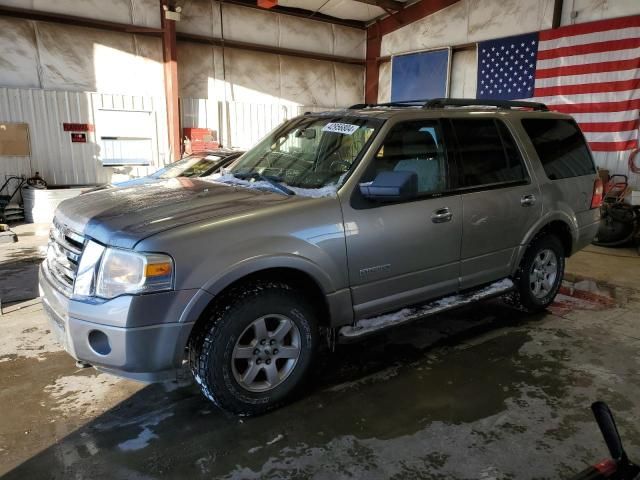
[
  {"x": 596, "y": 107},
  {"x": 598, "y": 47},
  {"x": 590, "y": 27},
  {"x": 609, "y": 126},
  {"x": 602, "y": 87},
  {"x": 613, "y": 146},
  {"x": 614, "y": 66}
]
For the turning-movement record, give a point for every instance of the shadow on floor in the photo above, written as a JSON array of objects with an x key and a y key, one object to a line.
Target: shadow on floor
[
  {"x": 19, "y": 275},
  {"x": 382, "y": 388}
]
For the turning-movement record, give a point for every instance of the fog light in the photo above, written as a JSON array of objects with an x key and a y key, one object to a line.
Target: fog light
[{"x": 99, "y": 342}]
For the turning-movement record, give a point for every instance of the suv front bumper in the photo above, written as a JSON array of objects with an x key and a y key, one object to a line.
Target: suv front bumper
[{"x": 146, "y": 353}]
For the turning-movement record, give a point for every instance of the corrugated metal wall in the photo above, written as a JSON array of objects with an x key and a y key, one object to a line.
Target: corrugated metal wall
[
  {"x": 58, "y": 160},
  {"x": 239, "y": 124}
]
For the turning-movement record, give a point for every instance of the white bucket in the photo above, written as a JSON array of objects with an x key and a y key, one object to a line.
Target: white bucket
[{"x": 41, "y": 204}]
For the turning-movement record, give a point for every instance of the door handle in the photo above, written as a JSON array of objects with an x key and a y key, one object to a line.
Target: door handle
[
  {"x": 528, "y": 200},
  {"x": 441, "y": 215}
]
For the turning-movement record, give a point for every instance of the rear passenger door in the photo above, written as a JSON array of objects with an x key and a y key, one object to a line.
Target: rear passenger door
[{"x": 500, "y": 202}]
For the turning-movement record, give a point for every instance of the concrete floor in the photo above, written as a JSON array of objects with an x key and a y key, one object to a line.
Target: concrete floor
[{"x": 484, "y": 392}]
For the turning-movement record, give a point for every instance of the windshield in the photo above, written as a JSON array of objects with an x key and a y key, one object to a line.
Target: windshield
[
  {"x": 306, "y": 153},
  {"x": 191, "y": 166}
]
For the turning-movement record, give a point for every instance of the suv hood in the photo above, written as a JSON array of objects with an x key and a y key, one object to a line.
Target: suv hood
[{"x": 121, "y": 217}]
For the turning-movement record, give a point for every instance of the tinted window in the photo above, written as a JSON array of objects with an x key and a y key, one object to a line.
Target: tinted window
[
  {"x": 487, "y": 153},
  {"x": 415, "y": 147},
  {"x": 560, "y": 147}
]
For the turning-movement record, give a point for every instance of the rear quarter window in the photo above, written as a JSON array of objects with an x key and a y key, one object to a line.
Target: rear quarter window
[{"x": 560, "y": 146}]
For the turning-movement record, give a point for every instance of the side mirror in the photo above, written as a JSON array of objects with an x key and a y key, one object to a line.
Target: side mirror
[{"x": 391, "y": 187}]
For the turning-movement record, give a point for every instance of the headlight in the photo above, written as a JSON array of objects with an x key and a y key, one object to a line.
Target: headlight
[
  {"x": 110, "y": 272},
  {"x": 85, "y": 283}
]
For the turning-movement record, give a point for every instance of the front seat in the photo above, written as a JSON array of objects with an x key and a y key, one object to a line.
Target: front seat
[{"x": 420, "y": 155}]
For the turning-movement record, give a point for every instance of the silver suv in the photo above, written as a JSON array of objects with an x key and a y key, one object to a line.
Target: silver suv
[{"x": 337, "y": 225}]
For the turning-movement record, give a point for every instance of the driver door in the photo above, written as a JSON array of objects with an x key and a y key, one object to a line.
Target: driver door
[{"x": 407, "y": 252}]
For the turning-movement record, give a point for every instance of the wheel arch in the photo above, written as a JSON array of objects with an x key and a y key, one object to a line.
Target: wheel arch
[
  {"x": 203, "y": 304},
  {"x": 561, "y": 226}
]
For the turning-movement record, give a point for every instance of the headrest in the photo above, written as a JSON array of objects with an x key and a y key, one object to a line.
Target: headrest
[{"x": 410, "y": 143}]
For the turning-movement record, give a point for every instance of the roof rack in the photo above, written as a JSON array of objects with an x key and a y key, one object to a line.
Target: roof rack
[
  {"x": 455, "y": 102},
  {"x": 400, "y": 103},
  {"x": 467, "y": 102}
]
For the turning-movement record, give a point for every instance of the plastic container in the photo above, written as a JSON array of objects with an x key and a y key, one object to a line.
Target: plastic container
[{"x": 40, "y": 203}]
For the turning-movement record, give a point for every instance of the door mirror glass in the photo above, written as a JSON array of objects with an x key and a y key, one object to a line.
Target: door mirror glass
[{"x": 391, "y": 186}]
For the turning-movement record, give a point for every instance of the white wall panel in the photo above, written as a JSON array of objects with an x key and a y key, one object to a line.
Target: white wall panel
[
  {"x": 58, "y": 160},
  {"x": 384, "y": 82},
  {"x": 349, "y": 85},
  {"x": 470, "y": 21},
  {"x": 316, "y": 37},
  {"x": 250, "y": 25},
  {"x": 254, "y": 77},
  {"x": 464, "y": 68},
  {"x": 349, "y": 42},
  {"x": 501, "y": 18},
  {"x": 202, "y": 17},
  {"x": 18, "y": 54},
  {"x": 136, "y": 12},
  {"x": 62, "y": 57},
  {"x": 590, "y": 10}
]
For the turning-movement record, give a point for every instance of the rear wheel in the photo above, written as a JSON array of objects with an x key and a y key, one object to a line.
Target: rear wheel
[
  {"x": 253, "y": 353},
  {"x": 540, "y": 274}
]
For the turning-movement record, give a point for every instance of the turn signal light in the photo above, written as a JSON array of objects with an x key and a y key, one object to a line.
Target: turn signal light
[
  {"x": 158, "y": 269},
  {"x": 598, "y": 194}
]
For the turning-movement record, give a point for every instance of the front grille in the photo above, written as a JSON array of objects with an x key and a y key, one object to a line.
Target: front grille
[{"x": 63, "y": 256}]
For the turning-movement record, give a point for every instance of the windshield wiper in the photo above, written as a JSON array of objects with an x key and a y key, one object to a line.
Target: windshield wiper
[{"x": 265, "y": 178}]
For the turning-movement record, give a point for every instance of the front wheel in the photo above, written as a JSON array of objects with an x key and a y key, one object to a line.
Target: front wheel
[
  {"x": 540, "y": 274},
  {"x": 253, "y": 353}
]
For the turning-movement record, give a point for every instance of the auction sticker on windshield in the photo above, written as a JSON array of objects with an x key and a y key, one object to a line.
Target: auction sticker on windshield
[{"x": 344, "y": 128}]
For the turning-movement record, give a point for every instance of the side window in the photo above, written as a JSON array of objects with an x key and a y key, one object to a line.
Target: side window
[
  {"x": 415, "y": 146},
  {"x": 560, "y": 147},
  {"x": 487, "y": 153}
]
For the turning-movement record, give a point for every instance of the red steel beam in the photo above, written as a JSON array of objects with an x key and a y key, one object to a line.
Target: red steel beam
[
  {"x": 377, "y": 30},
  {"x": 170, "y": 59}
]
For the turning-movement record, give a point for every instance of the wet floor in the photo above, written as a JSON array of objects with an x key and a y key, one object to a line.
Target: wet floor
[{"x": 483, "y": 392}]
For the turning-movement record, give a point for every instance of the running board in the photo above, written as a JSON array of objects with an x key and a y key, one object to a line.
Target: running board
[{"x": 367, "y": 326}]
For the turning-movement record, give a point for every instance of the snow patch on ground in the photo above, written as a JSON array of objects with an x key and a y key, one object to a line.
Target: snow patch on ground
[
  {"x": 276, "y": 439},
  {"x": 84, "y": 395},
  {"x": 371, "y": 324},
  {"x": 146, "y": 435},
  {"x": 26, "y": 333},
  {"x": 327, "y": 191}
]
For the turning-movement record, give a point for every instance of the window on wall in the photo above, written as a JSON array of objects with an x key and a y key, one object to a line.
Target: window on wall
[
  {"x": 125, "y": 137},
  {"x": 486, "y": 152},
  {"x": 420, "y": 75}
]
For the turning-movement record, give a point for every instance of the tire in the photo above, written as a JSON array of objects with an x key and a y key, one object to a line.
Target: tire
[
  {"x": 235, "y": 368},
  {"x": 536, "y": 287}
]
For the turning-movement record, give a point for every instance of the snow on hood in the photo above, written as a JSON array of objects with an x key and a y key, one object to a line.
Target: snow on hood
[{"x": 326, "y": 191}]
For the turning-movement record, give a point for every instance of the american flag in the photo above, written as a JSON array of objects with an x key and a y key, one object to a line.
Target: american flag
[{"x": 590, "y": 71}]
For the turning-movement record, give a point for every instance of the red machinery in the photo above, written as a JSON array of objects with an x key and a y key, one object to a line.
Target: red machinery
[{"x": 201, "y": 139}]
